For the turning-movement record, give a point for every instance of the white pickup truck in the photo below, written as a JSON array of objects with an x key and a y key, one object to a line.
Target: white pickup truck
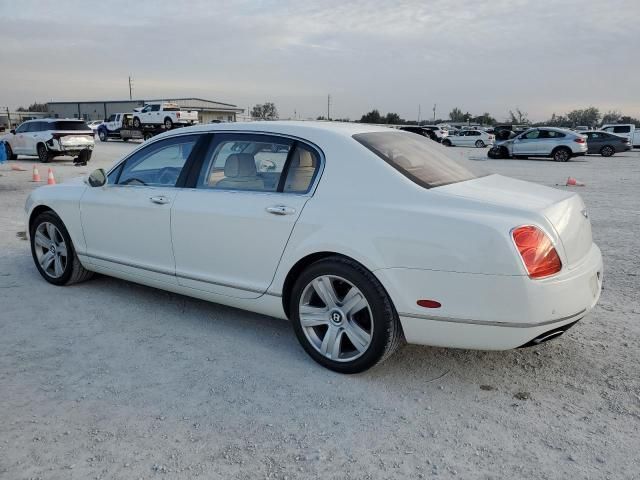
[
  {"x": 163, "y": 113},
  {"x": 625, "y": 130}
]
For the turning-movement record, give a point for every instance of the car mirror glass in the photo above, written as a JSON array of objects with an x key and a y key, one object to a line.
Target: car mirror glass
[{"x": 97, "y": 178}]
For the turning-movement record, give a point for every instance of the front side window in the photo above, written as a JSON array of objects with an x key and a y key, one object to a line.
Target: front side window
[
  {"x": 532, "y": 135},
  {"x": 417, "y": 158},
  {"x": 159, "y": 164},
  {"x": 155, "y": 108},
  {"x": 22, "y": 128},
  {"x": 112, "y": 118}
]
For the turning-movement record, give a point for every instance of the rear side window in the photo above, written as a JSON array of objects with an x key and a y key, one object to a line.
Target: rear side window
[
  {"x": 622, "y": 129},
  {"x": 70, "y": 126},
  {"x": 551, "y": 134},
  {"x": 417, "y": 158}
]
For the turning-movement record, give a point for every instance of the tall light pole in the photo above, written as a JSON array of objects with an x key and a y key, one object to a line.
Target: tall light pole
[
  {"x": 130, "y": 88},
  {"x": 434, "y": 113},
  {"x": 418, "y": 114},
  {"x": 329, "y": 107}
]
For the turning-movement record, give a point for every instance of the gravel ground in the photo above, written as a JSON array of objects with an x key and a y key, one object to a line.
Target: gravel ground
[{"x": 109, "y": 379}]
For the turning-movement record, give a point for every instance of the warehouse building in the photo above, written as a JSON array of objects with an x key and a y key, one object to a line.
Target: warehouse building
[{"x": 208, "y": 110}]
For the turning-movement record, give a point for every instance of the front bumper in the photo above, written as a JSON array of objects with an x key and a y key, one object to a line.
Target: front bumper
[{"x": 491, "y": 312}]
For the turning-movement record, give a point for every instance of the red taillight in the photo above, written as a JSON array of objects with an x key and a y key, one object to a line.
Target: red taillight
[
  {"x": 579, "y": 140},
  {"x": 177, "y": 114},
  {"x": 538, "y": 253}
]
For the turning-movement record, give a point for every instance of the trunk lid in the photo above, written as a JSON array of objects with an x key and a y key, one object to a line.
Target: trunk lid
[{"x": 564, "y": 210}]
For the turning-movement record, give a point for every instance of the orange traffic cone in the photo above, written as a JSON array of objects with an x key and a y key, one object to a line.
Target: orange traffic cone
[
  {"x": 50, "y": 179},
  {"x": 36, "y": 175},
  {"x": 572, "y": 182}
]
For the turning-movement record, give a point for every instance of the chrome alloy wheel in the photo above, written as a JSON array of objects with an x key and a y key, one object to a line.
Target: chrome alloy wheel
[
  {"x": 336, "y": 318},
  {"x": 51, "y": 249}
]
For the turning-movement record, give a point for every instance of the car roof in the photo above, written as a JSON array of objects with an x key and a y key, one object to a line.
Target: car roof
[
  {"x": 50, "y": 120},
  {"x": 301, "y": 129}
]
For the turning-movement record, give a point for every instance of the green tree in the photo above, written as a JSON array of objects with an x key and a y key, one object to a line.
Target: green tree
[
  {"x": 456, "y": 115},
  {"x": 393, "y": 119},
  {"x": 588, "y": 116},
  {"x": 265, "y": 111},
  {"x": 612, "y": 116},
  {"x": 628, "y": 119},
  {"x": 34, "y": 107},
  {"x": 518, "y": 117},
  {"x": 372, "y": 117}
]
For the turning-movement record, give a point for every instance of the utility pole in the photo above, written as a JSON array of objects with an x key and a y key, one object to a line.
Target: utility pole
[
  {"x": 418, "y": 114},
  {"x": 434, "y": 113},
  {"x": 329, "y": 107},
  {"x": 130, "y": 88},
  {"x": 8, "y": 118}
]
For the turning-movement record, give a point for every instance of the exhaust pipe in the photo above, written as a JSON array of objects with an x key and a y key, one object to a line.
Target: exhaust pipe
[{"x": 549, "y": 335}]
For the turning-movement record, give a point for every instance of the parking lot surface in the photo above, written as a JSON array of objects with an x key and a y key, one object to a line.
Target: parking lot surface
[{"x": 109, "y": 379}]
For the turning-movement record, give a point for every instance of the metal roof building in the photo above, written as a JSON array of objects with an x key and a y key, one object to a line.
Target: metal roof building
[{"x": 208, "y": 110}]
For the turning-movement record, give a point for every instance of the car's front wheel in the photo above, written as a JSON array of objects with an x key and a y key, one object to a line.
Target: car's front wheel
[
  {"x": 53, "y": 251},
  {"x": 10, "y": 154},
  {"x": 343, "y": 317},
  {"x": 137, "y": 123},
  {"x": 168, "y": 123},
  {"x": 446, "y": 142},
  {"x": 103, "y": 136}
]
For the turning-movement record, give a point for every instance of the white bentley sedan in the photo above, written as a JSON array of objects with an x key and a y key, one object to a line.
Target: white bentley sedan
[{"x": 360, "y": 235}]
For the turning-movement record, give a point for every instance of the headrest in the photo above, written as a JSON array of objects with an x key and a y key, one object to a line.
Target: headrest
[
  {"x": 240, "y": 165},
  {"x": 302, "y": 158}
]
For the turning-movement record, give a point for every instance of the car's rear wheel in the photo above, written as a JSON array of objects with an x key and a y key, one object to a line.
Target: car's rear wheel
[
  {"x": 103, "y": 135},
  {"x": 168, "y": 123},
  {"x": 446, "y": 142},
  {"x": 607, "y": 151},
  {"x": 343, "y": 317},
  {"x": 479, "y": 144},
  {"x": 43, "y": 153},
  {"x": 562, "y": 155},
  {"x": 53, "y": 251}
]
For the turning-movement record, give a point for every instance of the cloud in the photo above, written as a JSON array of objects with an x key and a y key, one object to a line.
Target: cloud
[{"x": 544, "y": 56}]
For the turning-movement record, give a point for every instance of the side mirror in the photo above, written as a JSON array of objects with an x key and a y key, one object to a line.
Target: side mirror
[
  {"x": 97, "y": 178},
  {"x": 12, "y": 131}
]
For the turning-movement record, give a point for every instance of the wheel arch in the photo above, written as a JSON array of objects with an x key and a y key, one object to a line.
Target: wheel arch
[
  {"x": 37, "y": 211},
  {"x": 296, "y": 270}
]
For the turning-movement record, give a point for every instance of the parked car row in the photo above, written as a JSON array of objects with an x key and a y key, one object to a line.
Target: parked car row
[{"x": 559, "y": 144}]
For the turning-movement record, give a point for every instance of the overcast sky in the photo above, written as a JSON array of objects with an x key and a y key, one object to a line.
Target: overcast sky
[{"x": 543, "y": 56}]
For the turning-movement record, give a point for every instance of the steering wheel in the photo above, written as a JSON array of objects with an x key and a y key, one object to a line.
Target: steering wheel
[{"x": 131, "y": 180}]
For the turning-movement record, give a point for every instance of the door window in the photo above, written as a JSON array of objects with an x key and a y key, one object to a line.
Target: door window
[
  {"x": 155, "y": 108},
  {"x": 112, "y": 118},
  {"x": 550, "y": 134},
  {"x": 622, "y": 129},
  {"x": 245, "y": 163},
  {"x": 532, "y": 135},
  {"x": 302, "y": 170},
  {"x": 22, "y": 128},
  {"x": 159, "y": 164}
]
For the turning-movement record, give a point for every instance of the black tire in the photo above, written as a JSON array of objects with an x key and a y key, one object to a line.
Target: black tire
[
  {"x": 10, "y": 154},
  {"x": 480, "y": 144},
  {"x": 125, "y": 139},
  {"x": 446, "y": 142},
  {"x": 168, "y": 123},
  {"x": 43, "y": 153},
  {"x": 136, "y": 122},
  {"x": 85, "y": 156},
  {"x": 562, "y": 155},
  {"x": 74, "y": 272},
  {"x": 607, "y": 151},
  {"x": 387, "y": 331},
  {"x": 103, "y": 135}
]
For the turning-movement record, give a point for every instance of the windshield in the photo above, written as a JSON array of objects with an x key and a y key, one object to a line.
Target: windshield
[
  {"x": 417, "y": 158},
  {"x": 70, "y": 125}
]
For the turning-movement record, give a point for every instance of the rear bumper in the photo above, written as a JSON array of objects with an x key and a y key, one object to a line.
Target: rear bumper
[{"x": 491, "y": 312}]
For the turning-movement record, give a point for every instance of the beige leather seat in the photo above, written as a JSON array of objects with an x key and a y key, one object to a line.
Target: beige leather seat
[
  {"x": 300, "y": 172},
  {"x": 240, "y": 173}
]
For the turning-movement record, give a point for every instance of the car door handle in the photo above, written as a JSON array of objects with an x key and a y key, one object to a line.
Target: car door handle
[
  {"x": 161, "y": 200},
  {"x": 281, "y": 210}
]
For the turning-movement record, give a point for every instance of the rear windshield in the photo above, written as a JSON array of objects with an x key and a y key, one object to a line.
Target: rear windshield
[
  {"x": 417, "y": 158},
  {"x": 69, "y": 125}
]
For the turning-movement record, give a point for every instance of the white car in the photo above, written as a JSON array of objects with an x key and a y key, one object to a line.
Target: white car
[
  {"x": 93, "y": 125},
  {"x": 358, "y": 234},
  {"x": 469, "y": 138},
  {"x": 163, "y": 113},
  {"x": 440, "y": 133},
  {"x": 557, "y": 143},
  {"x": 47, "y": 138}
]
